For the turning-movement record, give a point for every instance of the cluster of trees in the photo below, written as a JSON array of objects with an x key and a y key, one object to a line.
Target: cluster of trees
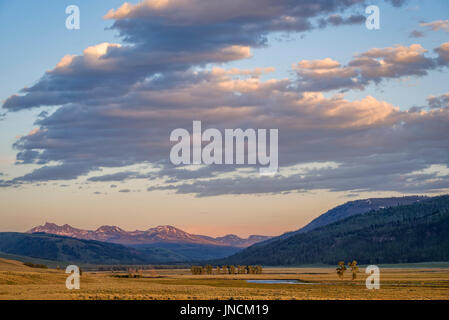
[
  {"x": 113, "y": 268},
  {"x": 341, "y": 268},
  {"x": 208, "y": 269},
  {"x": 137, "y": 267},
  {"x": 35, "y": 265}
]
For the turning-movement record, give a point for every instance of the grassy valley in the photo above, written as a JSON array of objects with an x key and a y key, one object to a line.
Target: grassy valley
[{"x": 18, "y": 281}]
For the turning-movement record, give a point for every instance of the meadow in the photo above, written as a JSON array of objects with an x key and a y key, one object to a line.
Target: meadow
[{"x": 18, "y": 281}]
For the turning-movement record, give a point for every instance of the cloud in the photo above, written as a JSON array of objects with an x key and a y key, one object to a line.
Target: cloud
[
  {"x": 313, "y": 128},
  {"x": 134, "y": 129},
  {"x": 433, "y": 102},
  {"x": 66, "y": 171},
  {"x": 244, "y": 12},
  {"x": 397, "y": 3},
  {"x": 338, "y": 20},
  {"x": 108, "y": 71},
  {"x": 118, "y": 103},
  {"x": 416, "y": 34},
  {"x": 437, "y": 25},
  {"x": 393, "y": 62},
  {"x": 175, "y": 35},
  {"x": 443, "y": 54},
  {"x": 436, "y": 102},
  {"x": 326, "y": 74},
  {"x": 119, "y": 176},
  {"x": 373, "y": 66},
  {"x": 363, "y": 176}
]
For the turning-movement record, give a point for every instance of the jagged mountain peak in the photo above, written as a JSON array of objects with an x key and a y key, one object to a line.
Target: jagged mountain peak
[
  {"x": 110, "y": 229},
  {"x": 230, "y": 237},
  {"x": 166, "y": 228},
  {"x": 159, "y": 234}
]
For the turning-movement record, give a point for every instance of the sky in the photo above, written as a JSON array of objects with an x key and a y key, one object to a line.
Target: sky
[{"x": 86, "y": 114}]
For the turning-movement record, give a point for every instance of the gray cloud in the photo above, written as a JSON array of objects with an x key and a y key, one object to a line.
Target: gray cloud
[
  {"x": 107, "y": 71},
  {"x": 120, "y": 103},
  {"x": 312, "y": 128},
  {"x": 338, "y": 20},
  {"x": 360, "y": 176},
  {"x": 176, "y": 36},
  {"x": 437, "y": 25},
  {"x": 433, "y": 102},
  {"x": 416, "y": 34},
  {"x": 443, "y": 54},
  {"x": 441, "y": 101},
  {"x": 373, "y": 66},
  {"x": 66, "y": 171},
  {"x": 119, "y": 176}
]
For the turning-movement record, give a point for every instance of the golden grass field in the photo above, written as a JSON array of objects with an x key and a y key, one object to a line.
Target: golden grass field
[{"x": 18, "y": 281}]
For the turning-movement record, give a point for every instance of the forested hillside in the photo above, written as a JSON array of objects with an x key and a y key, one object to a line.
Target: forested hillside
[
  {"x": 410, "y": 233},
  {"x": 60, "y": 248}
]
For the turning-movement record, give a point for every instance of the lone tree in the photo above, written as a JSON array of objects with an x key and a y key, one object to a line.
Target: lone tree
[
  {"x": 354, "y": 269},
  {"x": 341, "y": 269}
]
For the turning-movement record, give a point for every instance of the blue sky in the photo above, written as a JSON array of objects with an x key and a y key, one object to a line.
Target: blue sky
[{"x": 35, "y": 39}]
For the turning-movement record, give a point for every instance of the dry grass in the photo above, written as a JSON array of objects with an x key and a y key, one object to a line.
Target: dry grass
[{"x": 20, "y": 282}]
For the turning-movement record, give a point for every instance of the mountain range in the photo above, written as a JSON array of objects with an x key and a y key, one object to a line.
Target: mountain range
[
  {"x": 160, "y": 234},
  {"x": 375, "y": 230}
]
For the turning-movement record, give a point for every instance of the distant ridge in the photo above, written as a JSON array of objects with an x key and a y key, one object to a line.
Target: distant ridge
[
  {"x": 160, "y": 234},
  {"x": 352, "y": 208}
]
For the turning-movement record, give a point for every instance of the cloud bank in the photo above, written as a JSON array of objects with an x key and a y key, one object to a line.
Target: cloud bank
[{"x": 118, "y": 103}]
